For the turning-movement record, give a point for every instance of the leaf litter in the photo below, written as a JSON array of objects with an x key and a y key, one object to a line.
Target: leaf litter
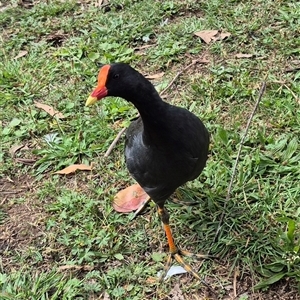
[
  {"x": 73, "y": 168},
  {"x": 209, "y": 36},
  {"x": 49, "y": 109},
  {"x": 130, "y": 199}
]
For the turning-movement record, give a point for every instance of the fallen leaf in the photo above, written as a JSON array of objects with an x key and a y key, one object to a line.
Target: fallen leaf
[
  {"x": 207, "y": 35},
  {"x": 296, "y": 62},
  {"x": 155, "y": 76},
  {"x": 26, "y": 161},
  {"x": 21, "y": 54},
  {"x": 130, "y": 199},
  {"x": 14, "y": 149},
  {"x": 203, "y": 60},
  {"x": 49, "y": 109},
  {"x": 73, "y": 168},
  {"x": 75, "y": 267},
  {"x": 242, "y": 55},
  {"x": 224, "y": 35}
]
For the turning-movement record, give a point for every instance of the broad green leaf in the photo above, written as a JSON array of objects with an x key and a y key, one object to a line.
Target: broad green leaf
[
  {"x": 93, "y": 56},
  {"x": 14, "y": 122},
  {"x": 119, "y": 256},
  {"x": 278, "y": 145},
  {"x": 291, "y": 230},
  {"x": 276, "y": 267},
  {"x": 291, "y": 148},
  {"x": 156, "y": 256},
  {"x": 222, "y": 134},
  {"x": 269, "y": 281}
]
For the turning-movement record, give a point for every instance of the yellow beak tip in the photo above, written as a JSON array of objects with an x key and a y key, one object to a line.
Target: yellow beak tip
[{"x": 90, "y": 100}]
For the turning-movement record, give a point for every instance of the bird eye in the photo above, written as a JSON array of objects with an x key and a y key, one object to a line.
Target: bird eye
[{"x": 116, "y": 76}]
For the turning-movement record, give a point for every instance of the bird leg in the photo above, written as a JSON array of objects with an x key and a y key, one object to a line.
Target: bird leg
[{"x": 173, "y": 250}]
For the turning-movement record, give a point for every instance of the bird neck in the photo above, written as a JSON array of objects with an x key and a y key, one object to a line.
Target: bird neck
[{"x": 153, "y": 111}]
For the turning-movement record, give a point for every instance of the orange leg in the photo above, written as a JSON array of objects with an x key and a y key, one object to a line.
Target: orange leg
[{"x": 173, "y": 250}]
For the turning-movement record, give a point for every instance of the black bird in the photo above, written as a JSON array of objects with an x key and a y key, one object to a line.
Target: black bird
[{"x": 165, "y": 147}]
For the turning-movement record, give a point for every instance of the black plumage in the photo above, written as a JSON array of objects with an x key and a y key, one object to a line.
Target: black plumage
[{"x": 165, "y": 147}]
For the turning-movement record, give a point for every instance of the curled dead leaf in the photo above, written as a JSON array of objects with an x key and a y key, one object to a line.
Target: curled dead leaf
[
  {"x": 130, "y": 199},
  {"x": 203, "y": 60},
  {"x": 75, "y": 267},
  {"x": 21, "y": 54},
  {"x": 155, "y": 76},
  {"x": 26, "y": 161},
  {"x": 206, "y": 35},
  {"x": 243, "y": 55},
  {"x": 49, "y": 109},
  {"x": 224, "y": 35},
  {"x": 14, "y": 149},
  {"x": 73, "y": 168}
]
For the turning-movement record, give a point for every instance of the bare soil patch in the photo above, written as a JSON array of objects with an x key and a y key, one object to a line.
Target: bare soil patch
[{"x": 24, "y": 216}]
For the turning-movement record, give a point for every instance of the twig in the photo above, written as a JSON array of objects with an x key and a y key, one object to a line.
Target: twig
[
  {"x": 234, "y": 282},
  {"x": 261, "y": 92},
  {"x": 178, "y": 74},
  {"x": 113, "y": 144},
  {"x": 293, "y": 94},
  {"x": 292, "y": 69}
]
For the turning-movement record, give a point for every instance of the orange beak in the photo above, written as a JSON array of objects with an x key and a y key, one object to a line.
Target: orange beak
[{"x": 100, "y": 91}]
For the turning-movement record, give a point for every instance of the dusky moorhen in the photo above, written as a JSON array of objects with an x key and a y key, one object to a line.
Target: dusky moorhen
[{"x": 165, "y": 147}]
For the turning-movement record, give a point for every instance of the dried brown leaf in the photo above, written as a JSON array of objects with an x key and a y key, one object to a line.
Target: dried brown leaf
[
  {"x": 155, "y": 76},
  {"x": 73, "y": 168},
  {"x": 130, "y": 199},
  {"x": 207, "y": 35},
  {"x": 223, "y": 35},
  {"x": 203, "y": 60},
  {"x": 49, "y": 109},
  {"x": 75, "y": 267},
  {"x": 243, "y": 55},
  {"x": 21, "y": 54},
  {"x": 26, "y": 161},
  {"x": 14, "y": 149}
]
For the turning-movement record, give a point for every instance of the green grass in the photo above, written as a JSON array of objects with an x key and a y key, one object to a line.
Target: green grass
[{"x": 61, "y": 238}]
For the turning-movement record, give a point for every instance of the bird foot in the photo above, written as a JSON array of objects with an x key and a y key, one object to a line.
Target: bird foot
[{"x": 178, "y": 255}]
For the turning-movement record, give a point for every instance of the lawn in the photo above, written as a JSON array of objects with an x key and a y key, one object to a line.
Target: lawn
[{"x": 60, "y": 237}]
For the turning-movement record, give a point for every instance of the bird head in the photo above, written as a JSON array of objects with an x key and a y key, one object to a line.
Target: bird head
[{"x": 117, "y": 80}]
